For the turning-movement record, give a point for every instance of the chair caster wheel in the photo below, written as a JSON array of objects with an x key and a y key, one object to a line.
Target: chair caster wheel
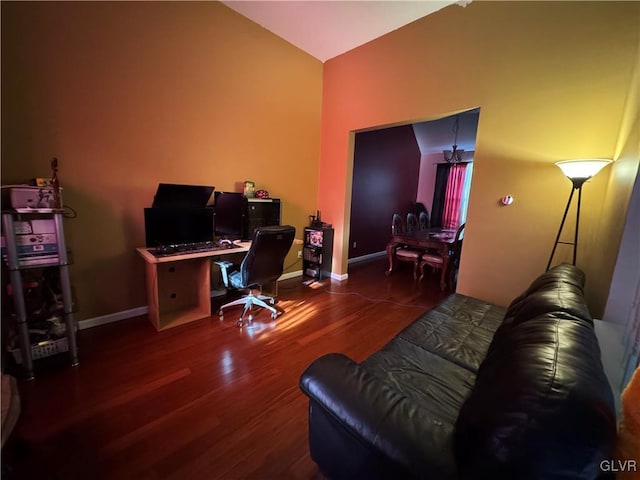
[
  {"x": 274, "y": 315},
  {"x": 239, "y": 323}
]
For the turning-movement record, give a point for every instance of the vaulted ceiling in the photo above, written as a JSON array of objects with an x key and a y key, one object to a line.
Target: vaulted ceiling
[{"x": 325, "y": 29}]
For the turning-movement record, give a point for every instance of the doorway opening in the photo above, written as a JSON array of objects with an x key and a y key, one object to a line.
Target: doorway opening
[{"x": 397, "y": 167}]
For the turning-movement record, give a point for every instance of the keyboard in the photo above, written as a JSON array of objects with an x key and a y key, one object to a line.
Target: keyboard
[{"x": 186, "y": 248}]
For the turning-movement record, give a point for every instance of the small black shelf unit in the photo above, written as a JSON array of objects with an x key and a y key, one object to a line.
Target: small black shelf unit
[{"x": 317, "y": 253}]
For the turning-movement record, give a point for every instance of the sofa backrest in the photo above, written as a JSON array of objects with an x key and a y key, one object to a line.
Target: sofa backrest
[
  {"x": 541, "y": 407},
  {"x": 561, "y": 289}
]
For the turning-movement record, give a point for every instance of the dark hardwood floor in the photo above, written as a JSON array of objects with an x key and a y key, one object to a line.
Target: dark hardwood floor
[{"x": 205, "y": 400}]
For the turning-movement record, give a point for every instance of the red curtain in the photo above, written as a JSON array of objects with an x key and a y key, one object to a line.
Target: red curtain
[{"x": 453, "y": 196}]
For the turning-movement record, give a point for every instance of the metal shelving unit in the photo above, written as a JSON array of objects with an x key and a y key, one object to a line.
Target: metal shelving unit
[{"x": 17, "y": 264}]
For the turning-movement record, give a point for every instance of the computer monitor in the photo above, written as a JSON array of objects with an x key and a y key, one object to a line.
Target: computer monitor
[
  {"x": 176, "y": 226},
  {"x": 229, "y": 215},
  {"x": 177, "y": 195}
]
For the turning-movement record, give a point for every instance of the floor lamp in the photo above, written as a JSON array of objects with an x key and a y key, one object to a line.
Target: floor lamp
[{"x": 578, "y": 171}]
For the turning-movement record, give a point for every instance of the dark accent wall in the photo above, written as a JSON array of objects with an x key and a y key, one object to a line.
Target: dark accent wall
[{"x": 386, "y": 166}]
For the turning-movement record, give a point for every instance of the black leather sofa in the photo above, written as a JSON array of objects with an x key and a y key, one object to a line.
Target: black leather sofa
[{"x": 471, "y": 390}]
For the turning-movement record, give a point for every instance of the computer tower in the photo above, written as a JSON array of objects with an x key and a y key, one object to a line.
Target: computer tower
[{"x": 259, "y": 212}]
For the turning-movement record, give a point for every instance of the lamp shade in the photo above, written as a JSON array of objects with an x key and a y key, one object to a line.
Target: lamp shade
[{"x": 582, "y": 169}]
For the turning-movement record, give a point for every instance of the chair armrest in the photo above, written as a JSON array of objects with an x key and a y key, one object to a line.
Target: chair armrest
[
  {"x": 225, "y": 265},
  {"x": 381, "y": 416}
]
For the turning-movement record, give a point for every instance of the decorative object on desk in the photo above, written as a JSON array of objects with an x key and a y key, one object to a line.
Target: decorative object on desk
[
  {"x": 262, "y": 194},
  {"x": 578, "y": 171},
  {"x": 455, "y": 154},
  {"x": 249, "y": 189}
]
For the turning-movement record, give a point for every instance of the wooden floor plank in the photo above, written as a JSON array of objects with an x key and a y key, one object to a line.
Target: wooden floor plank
[{"x": 206, "y": 400}]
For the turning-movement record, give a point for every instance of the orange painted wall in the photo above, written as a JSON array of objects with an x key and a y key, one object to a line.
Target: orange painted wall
[
  {"x": 130, "y": 94},
  {"x": 551, "y": 80}
]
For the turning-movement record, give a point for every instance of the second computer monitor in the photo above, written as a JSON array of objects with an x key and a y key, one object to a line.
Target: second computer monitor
[{"x": 229, "y": 215}]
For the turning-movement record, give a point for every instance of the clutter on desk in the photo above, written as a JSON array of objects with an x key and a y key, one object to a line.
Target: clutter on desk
[
  {"x": 249, "y": 189},
  {"x": 315, "y": 221}
]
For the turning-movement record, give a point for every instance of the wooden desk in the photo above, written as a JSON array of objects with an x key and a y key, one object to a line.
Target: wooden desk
[
  {"x": 438, "y": 239},
  {"x": 179, "y": 286}
]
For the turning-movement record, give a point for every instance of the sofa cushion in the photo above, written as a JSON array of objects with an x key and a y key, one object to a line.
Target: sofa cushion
[
  {"x": 541, "y": 406},
  {"x": 458, "y": 330},
  {"x": 432, "y": 383}
]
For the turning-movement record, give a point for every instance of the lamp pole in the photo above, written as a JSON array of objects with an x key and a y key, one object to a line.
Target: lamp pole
[
  {"x": 578, "y": 171},
  {"x": 577, "y": 185}
]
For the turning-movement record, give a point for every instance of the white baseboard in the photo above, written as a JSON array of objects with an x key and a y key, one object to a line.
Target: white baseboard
[
  {"x": 339, "y": 277},
  {"x": 112, "y": 317},
  {"x": 136, "y": 312},
  {"x": 286, "y": 276},
  {"x": 366, "y": 257}
]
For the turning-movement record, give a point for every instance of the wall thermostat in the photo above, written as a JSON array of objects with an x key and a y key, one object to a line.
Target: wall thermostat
[{"x": 506, "y": 200}]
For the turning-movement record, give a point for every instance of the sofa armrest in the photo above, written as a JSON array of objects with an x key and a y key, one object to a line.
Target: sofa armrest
[{"x": 384, "y": 418}]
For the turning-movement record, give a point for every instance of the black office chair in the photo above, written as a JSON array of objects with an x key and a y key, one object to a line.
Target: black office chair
[{"x": 263, "y": 264}]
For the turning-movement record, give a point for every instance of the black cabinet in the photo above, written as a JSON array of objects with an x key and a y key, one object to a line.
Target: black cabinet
[{"x": 317, "y": 253}]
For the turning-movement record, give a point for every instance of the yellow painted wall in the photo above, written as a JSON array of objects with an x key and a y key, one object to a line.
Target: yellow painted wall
[
  {"x": 131, "y": 94},
  {"x": 619, "y": 185},
  {"x": 551, "y": 80}
]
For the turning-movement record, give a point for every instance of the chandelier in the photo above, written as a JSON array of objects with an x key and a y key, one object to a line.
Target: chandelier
[{"x": 455, "y": 154}]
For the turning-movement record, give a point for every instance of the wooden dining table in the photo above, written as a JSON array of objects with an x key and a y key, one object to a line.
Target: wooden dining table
[{"x": 438, "y": 239}]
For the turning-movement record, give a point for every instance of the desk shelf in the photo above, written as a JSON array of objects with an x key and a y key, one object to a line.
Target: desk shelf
[
  {"x": 179, "y": 286},
  {"x": 178, "y": 291}
]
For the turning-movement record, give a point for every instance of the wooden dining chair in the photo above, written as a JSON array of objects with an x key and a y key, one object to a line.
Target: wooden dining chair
[
  {"x": 397, "y": 225},
  {"x": 434, "y": 260},
  {"x": 402, "y": 252},
  {"x": 412, "y": 222},
  {"x": 423, "y": 220}
]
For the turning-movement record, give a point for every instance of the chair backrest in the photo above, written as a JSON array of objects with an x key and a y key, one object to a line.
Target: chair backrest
[
  {"x": 423, "y": 220},
  {"x": 264, "y": 262},
  {"x": 412, "y": 222},
  {"x": 457, "y": 246},
  {"x": 397, "y": 225}
]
